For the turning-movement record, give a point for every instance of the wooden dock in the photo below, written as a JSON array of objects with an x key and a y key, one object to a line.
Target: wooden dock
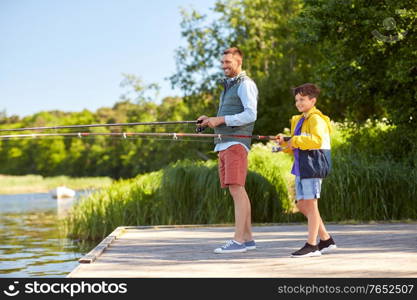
[{"x": 364, "y": 251}]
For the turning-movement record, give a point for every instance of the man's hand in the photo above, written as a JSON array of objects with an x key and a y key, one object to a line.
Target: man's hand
[
  {"x": 212, "y": 121},
  {"x": 203, "y": 117},
  {"x": 200, "y": 128}
]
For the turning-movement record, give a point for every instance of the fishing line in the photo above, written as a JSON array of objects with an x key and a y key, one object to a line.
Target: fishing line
[{"x": 99, "y": 125}]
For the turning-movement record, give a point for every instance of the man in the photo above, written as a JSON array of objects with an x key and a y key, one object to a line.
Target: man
[{"x": 236, "y": 116}]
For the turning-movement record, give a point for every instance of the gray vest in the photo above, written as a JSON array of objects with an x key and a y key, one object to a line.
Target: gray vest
[{"x": 230, "y": 104}]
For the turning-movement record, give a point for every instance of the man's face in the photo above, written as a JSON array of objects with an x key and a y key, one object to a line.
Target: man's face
[
  {"x": 304, "y": 103},
  {"x": 231, "y": 65}
]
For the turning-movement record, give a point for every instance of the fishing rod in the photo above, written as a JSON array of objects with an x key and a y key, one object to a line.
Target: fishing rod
[
  {"x": 174, "y": 135},
  {"x": 101, "y": 125}
]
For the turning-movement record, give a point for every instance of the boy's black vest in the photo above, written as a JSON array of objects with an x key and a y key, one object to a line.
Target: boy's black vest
[{"x": 230, "y": 104}]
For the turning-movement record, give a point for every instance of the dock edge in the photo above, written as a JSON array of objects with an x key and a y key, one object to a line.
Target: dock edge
[{"x": 91, "y": 256}]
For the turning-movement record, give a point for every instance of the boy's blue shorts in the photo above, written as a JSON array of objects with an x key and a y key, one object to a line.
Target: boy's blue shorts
[{"x": 307, "y": 188}]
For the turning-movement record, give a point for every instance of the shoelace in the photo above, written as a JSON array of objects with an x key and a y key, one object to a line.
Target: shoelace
[{"x": 228, "y": 243}]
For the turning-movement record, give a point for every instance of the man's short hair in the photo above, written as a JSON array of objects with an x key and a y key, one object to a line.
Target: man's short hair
[
  {"x": 234, "y": 51},
  {"x": 307, "y": 89}
]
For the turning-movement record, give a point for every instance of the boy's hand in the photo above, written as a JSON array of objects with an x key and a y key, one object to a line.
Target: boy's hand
[{"x": 280, "y": 139}]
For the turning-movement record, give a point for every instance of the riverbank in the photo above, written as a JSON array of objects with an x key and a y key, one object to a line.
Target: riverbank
[{"x": 10, "y": 184}]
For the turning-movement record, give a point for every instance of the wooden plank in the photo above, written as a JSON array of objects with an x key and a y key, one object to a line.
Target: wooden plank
[
  {"x": 91, "y": 256},
  {"x": 364, "y": 250}
]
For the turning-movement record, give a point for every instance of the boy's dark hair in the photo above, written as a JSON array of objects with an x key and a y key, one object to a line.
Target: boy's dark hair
[
  {"x": 307, "y": 89},
  {"x": 234, "y": 51}
]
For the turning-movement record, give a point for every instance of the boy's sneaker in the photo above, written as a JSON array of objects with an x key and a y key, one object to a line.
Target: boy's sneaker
[
  {"x": 327, "y": 245},
  {"x": 307, "y": 251},
  {"x": 231, "y": 247},
  {"x": 250, "y": 245}
]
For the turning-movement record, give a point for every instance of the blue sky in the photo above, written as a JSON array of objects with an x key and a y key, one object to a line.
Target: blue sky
[{"x": 70, "y": 55}]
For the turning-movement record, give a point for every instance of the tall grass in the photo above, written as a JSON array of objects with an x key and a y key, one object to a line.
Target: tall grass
[
  {"x": 183, "y": 193},
  {"x": 276, "y": 168},
  {"x": 367, "y": 181},
  {"x": 360, "y": 188}
]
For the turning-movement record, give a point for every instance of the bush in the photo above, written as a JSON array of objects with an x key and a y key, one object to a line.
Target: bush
[{"x": 373, "y": 176}]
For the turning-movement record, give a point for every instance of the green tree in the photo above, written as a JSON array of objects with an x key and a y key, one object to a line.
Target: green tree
[
  {"x": 368, "y": 57},
  {"x": 273, "y": 57}
]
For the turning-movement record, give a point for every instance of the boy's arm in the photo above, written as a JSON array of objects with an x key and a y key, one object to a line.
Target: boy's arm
[{"x": 318, "y": 129}]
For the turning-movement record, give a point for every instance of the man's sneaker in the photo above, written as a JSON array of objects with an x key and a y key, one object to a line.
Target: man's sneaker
[
  {"x": 231, "y": 247},
  {"x": 307, "y": 251},
  {"x": 327, "y": 245},
  {"x": 250, "y": 245}
]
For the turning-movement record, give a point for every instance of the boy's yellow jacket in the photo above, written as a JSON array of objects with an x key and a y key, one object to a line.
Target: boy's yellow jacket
[{"x": 313, "y": 142}]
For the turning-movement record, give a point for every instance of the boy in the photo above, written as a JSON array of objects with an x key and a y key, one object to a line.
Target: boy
[{"x": 310, "y": 145}]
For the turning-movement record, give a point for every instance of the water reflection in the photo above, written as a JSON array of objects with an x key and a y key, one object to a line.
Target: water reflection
[
  {"x": 63, "y": 206},
  {"x": 32, "y": 242}
]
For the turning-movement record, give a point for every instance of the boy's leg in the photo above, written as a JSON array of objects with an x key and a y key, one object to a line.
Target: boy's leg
[
  {"x": 309, "y": 208},
  {"x": 307, "y": 204},
  {"x": 314, "y": 219},
  {"x": 308, "y": 193},
  {"x": 323, "y": 234}
]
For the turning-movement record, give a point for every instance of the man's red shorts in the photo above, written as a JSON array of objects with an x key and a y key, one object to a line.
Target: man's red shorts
[{"x": 233, "y": 166}]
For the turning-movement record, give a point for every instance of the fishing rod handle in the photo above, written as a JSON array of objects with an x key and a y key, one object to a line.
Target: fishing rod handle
[{"x": 272, "y": 137}]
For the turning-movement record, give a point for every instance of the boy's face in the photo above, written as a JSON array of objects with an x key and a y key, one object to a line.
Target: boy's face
[{"x": 304, "y": 103}]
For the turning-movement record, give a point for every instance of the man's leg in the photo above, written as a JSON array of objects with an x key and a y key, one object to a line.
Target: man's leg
[
  {"x": 233, "y": 170},
  {"x": 243, "y": 230},
  {"x": 248, "y": 229}
]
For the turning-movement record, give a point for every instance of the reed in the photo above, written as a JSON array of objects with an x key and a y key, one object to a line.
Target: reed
[
  {"x": 363, "y": 189},
  {"x": 185, "y": 192},
  {"x": 369, "y": 179}
]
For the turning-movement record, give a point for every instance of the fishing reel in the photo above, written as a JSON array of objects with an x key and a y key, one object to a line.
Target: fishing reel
[
  {"x": 276, "y": 149},
  {"x": 200, "y": 129},
  {"x": 279, "y": 148}
]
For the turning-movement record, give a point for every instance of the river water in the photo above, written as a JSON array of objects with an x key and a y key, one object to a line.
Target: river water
[{"x": 32, "y": 242}]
